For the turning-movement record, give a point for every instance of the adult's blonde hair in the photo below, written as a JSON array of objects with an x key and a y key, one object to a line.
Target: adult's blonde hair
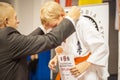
[
  {"x": 50, "y": 11},
  {"x": 6, "y": 11}
]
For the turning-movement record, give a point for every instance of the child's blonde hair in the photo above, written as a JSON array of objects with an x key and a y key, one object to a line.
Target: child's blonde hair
[
  {"x": 6, "y": 10},
  {"x": 50, "y": 11}
]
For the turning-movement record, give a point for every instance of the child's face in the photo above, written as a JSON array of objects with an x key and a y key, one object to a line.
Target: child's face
[{"x": 54, "y": 23}]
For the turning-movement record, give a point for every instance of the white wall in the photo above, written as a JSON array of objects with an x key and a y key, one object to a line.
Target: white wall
[
  {"x": 28, "y": 14},
  {"x": 25, "y": 15}
]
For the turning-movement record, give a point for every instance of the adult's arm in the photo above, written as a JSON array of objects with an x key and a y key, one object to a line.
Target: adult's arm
[
  {"x": 21, "y": 45},
  {"x": 37, "y": 31},
  {"x": 41, "y": 30}
]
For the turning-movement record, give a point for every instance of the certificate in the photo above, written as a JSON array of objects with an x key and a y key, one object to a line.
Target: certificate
[{"x": 65, "y": 63}]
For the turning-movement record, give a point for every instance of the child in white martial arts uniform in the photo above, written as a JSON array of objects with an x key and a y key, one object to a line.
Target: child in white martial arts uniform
[{"x": 86, "y": 44}]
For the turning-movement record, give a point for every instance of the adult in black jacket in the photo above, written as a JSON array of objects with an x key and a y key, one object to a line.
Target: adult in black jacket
[{"x": 14, "y": 47}]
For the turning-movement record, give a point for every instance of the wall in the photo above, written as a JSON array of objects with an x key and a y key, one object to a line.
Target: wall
[
  {"x": 25, "y": 15},
  {"x": 28, "y": 14}
]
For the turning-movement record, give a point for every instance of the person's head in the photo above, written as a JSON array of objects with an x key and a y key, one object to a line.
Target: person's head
[
  {"x": 51, "y": 14},
  {"x": 8, "y": 16}
]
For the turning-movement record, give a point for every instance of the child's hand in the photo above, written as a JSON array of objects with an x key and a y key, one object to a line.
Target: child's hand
[
  {"x": 34, "y": 56},
  {"x": 80, "y": 68},
  {"x": 53, "y": 63}
]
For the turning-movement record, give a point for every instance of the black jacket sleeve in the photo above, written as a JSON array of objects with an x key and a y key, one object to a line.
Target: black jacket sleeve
[
  {"x": 37, "y": 31},
  {"x": 21, "y": 46}
]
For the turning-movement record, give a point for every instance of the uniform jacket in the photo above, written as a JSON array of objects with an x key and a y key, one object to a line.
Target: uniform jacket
[{"x": 90, "y": 40}]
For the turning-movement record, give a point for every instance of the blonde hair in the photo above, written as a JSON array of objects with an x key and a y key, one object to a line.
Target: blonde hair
[
  {"x": 50, "y": 11},
  {"x": 6, "y": 10}
]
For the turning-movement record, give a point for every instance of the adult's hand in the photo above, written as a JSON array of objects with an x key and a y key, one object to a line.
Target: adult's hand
[{"x": 74, "y": 13}]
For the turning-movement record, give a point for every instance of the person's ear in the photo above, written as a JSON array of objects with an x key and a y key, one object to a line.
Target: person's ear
[
  {"x": 62, "y": 14},
  {"x": 6, "y": 22}
]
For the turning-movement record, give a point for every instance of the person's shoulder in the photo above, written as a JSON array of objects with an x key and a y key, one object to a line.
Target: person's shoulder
[
  {"x": 10, "y": 30},
  {"x": 83, "y": 19},
  {"x": 84, "y": 23},
  {"x": 6, "y": 32}
]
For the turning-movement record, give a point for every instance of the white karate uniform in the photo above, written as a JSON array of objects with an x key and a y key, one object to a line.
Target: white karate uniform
[{"x": 90, "y": 41}]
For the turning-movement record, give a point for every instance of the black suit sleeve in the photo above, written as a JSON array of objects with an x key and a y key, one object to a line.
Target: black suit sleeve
[
  {"x": 21, "y": 46},
  {"x": 37, "y": 31}
]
